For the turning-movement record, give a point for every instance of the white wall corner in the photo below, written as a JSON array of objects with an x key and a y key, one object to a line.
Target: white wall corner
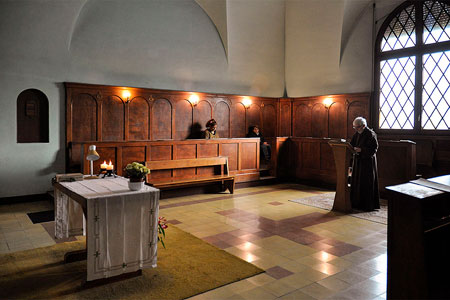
[{"x": 217, "y": 12}]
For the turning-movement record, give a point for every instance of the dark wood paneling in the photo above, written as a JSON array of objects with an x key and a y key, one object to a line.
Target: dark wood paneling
[
  {"x": 161, "y": 152},
  {"x": 248, "y": 152},
  {"x": 202, "y": 114},
  {"x": 231, "y": 151},
  {"x": 208, "y": 150},
  {"x": 391, "y": 158},
  {"x": 139, "y": 112},
  {"x": 238, "y": 151},
  {"x": 285, "y": 119},
  {"x": 254, "y": 115},
  {"x": 84, "y": 118},
  {"x": 185, "y": 151},
  {"x": 312, "y": 159},
  {"x": 238, "y": 121},
  {"x": 132, "y": 154},
  {"x": 106, "y": 154},
  {"x": 310, "y": 155},
  {"x": 181, "y": 152},
  {"x": 269, "y": 121},
  {"x": 302, "y": 120},
  {"x": 326, "y": 158},
  {"x": 113, "y": 119},
  {"x": 183, "y": 120},
  {"x": 222, "y": 116},
  {"x": 161, "y": 119},
  {"x": 319, "y": 121},
  {"x": 337, "y": 121}
]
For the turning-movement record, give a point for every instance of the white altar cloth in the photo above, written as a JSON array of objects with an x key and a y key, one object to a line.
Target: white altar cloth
[{"x": 122, "y": 225}]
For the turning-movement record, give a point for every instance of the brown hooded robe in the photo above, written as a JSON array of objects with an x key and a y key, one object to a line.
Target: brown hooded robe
[{"x": 364, "y": 193}]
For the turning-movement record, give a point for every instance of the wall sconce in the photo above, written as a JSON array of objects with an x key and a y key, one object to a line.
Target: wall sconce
[
  {"x": 126, "y": 95},
  {"x": 327, "y": 102},
  {"x": 246, "y": 102},
  {"x": 193, "y": 99}
]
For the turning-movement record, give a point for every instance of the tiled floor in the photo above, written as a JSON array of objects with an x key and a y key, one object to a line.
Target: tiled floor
[{"x": 307, "y": 253}]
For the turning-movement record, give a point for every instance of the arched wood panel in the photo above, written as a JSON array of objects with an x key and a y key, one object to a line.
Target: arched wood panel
[
  {"x": 285, "y": 119},
  {"x": 32, "y": 117},
  {"x": 138, "y": 120},
  {"x": 319, "y": 121},
  {"x": 222, "y": 116},
  {"x": 238, "y": 121},
  {"x": 202, "y": 114},
  {"x": 302, "y": 120},
  {"x": 161, "y": 119},
  {"x": 355, "y": 109},
  {"x": 113, "y": 115},
  {"x": 253, "y": 115},
  {"x": 269, "y": 121},
  {"x": 337, "y": 125},
  {"x": 183, "y": 119},
  {"x": 84, "y": 118}
]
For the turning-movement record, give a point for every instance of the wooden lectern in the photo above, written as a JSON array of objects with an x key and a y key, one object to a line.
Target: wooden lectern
[{"x": 342, "y": 152}]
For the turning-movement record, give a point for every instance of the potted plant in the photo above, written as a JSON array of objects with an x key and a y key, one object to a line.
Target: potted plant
[{"x": 136, "y": 172}]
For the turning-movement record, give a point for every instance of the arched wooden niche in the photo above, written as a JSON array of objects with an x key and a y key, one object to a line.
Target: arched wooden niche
[{"x": 32, "y": 117}]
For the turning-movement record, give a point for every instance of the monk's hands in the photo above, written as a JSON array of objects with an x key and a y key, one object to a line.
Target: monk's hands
[{"x": 358, "y": 150}]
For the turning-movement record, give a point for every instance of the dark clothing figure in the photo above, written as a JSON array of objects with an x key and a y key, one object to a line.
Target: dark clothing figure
[
  {"x": 265, "y": 148},
  {"x": 364, "y": 193}
]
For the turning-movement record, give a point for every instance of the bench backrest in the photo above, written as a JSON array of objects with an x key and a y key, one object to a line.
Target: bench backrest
[{"x": 188, "y": 163}]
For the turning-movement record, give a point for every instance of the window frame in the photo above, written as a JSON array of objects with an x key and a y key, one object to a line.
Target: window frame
[{"x": 418, "y": 51}]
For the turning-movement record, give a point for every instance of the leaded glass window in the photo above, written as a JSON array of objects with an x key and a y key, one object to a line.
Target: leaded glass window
[
  {"x": 401, "y": 31},
  {"x": 413, "y": 67},
  {"x": 436, "y": 91},
  {"x": 397, "y": 93},
  {"x": 436, "y": 19}
]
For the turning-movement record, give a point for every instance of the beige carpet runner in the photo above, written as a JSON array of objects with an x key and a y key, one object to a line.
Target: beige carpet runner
[{"x": 325, "y": 201}]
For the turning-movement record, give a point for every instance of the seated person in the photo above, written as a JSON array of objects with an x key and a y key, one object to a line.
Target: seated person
[
  {"x": 211, "y": 130},
  {"x": 265, "y": 147}
]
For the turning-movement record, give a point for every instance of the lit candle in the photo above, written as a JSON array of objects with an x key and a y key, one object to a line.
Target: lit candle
[
  {"x": 103, "y": 165},
  {"x": 110, "y": 166}
]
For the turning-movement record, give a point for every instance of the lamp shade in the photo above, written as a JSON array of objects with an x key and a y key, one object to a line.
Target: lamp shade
[{"x": 92, "y": 154}]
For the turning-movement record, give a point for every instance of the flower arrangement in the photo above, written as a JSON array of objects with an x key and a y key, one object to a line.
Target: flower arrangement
[
  {"x": 136, "y": 171},
  {"x": 162, "y": 226}
]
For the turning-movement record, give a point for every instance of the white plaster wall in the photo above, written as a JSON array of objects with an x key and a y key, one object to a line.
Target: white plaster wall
[
  {"x": 256, "y": 46},
  {"x": 33, "y": 54},
  {"x": 328, "y": 47},
  {"x": 163, "y": 44}
]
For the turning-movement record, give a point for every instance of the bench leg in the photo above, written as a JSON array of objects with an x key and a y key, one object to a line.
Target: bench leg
[{"x": 230, "y": 185}]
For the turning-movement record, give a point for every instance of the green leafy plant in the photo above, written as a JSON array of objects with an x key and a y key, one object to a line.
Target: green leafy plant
[
  {"x": 136, "y": 170},
  {"x": 162, "y": 226}
]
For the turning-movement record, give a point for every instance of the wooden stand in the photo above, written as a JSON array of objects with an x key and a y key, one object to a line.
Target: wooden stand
[
  {"x": 418, "y": 243},
  {"x": 342, "y": 152}
]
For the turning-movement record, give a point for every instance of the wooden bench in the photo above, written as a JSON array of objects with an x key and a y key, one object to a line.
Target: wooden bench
[{"x": 174, "y": 182}]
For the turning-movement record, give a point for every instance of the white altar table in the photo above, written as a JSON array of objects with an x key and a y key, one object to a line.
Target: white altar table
[{"x": 121, "y": 225}]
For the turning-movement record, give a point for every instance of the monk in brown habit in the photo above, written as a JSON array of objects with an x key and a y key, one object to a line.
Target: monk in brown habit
[{"x": 364, "y": 193}]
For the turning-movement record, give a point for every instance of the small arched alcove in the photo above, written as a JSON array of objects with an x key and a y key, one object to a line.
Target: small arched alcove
[{"x": 32, "y": 117}]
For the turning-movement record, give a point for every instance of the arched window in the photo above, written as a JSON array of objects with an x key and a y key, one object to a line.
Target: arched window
[{"x": 412, "y": 68}]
